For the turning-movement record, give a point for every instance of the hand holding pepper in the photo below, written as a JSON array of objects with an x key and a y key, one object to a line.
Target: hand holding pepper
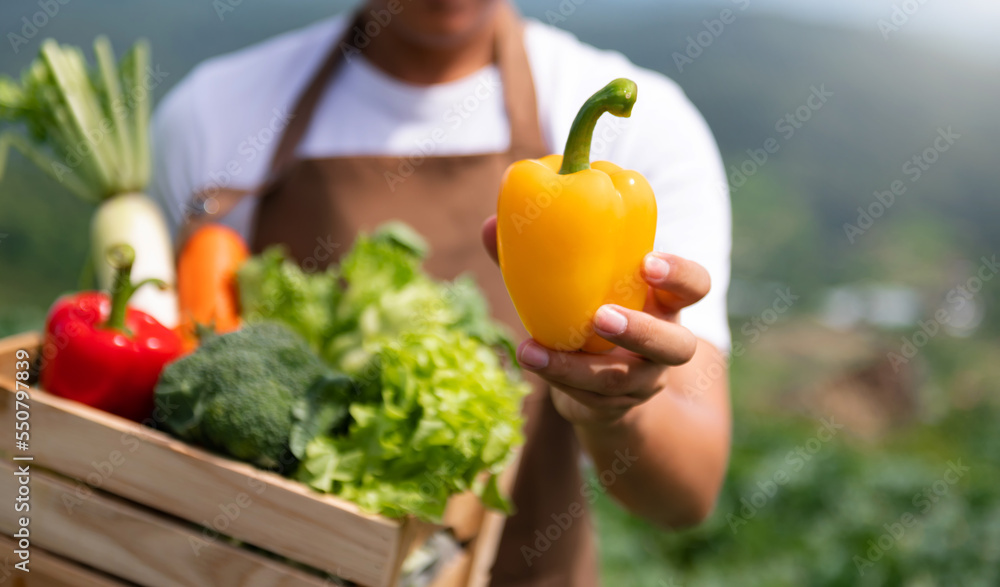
[
  {"x": 573, "y": 241},
  {"x": 594, "y": 388},
  {"x": 571, "y": 234},
  {"x": 658, "y": 402}
]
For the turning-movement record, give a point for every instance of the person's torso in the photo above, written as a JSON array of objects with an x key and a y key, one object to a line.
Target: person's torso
[
  {"x": 371, "y": 113},
  {"x": 315, "y": 206}
]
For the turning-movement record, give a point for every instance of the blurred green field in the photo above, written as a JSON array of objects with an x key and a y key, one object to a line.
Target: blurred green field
[{"x": 851, "y": 493}]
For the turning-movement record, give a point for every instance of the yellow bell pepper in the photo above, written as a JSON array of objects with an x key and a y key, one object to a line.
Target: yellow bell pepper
[{"x": 571, "y": 235}]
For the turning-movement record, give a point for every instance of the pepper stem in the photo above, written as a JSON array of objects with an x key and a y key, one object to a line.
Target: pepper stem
[
  {"x": 617, "y": 97},
  {"x": 121, "y": 257}
]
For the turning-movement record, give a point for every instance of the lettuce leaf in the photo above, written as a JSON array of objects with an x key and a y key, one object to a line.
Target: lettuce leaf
[
  {"x": 446, "y": 415},
  {"x": 274, "y": 288},
  {"x": 432, "y": 406}
]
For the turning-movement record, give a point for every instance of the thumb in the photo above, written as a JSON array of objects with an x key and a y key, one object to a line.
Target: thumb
[{"x": 489, "y": 233}]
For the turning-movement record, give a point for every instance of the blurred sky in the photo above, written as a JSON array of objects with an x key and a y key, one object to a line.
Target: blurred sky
[{"x": 974, "y": 23}]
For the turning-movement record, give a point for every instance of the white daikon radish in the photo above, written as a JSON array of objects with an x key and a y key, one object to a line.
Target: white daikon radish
[{"x": 136, "y": 220}]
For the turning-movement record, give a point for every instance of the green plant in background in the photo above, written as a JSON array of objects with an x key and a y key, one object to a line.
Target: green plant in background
[
  {"x": 87, "y": 129},
  {"x": 840, "y": 517}
]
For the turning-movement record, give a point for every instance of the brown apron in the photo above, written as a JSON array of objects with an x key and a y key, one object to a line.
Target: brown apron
[{"x": 316, "y": 207}]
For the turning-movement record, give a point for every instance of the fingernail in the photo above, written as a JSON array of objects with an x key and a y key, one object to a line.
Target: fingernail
[
  {"x": 610, "y": 321},
  {"x": 655, "y": 267},
  {"x": 533, "y": 356}
]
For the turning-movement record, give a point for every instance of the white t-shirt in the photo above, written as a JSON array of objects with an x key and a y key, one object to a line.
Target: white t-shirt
[{"x": 221, "y": 123}]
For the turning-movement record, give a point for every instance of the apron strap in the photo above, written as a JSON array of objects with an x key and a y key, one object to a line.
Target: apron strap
[
  {"x": 515, "y": 75},
  {"x": 526, "y": 139},
  {"x": 209, "y": 205},
  {"x": 520, "y": 100},
  {"x": 305, "y": 107}
]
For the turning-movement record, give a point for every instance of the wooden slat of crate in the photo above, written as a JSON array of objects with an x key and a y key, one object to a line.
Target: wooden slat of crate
[
  {"x": 131, "y": 542},
  {"x": 455, "y": 573},
  {"x": 483, "y": 550},
  {"x": 166, "y": 474},
  {"x": 49, "y": 570}
]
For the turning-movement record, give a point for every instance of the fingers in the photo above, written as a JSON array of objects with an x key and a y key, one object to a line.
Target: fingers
[
  {"x": 611, "y": 374},
  {"x": 598, "y": 407},
  {"x": 489, "y": 235},
  {"x": 677, "y": 282},
  {"x": 660, "y": 341}
]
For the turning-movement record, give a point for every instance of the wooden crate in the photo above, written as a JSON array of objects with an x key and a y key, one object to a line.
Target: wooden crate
[
  {"x": 49, "y": 570},
  {"x": 144, "y": 507}
]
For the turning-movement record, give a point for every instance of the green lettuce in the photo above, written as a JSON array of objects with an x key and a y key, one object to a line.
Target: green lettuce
[
  {"x": 274, "y": 288},
  {"x": 428, "y": 403},
  {"x": 443, "y": 418}
]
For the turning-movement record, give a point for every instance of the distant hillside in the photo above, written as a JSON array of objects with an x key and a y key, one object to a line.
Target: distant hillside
[{"x": 889, "y": 101}]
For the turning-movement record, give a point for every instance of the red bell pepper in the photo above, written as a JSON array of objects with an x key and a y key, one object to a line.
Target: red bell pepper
[{"x": 100, "y": 352}]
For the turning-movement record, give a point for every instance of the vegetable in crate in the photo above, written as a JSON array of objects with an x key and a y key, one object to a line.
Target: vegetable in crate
[
  {"x": 103, "y": 353},
  {"x": 434, "y": 407},
  {"x": 89, "y": 130},
  {"x": 571, "y": 235},
  {"x": 437, "y": 410},
  {"x": 272, "y": 287},
  {"x": 236, "y": 393},
  {"x": 386, "y": 292},
  {"x": 206, "y": 281}
]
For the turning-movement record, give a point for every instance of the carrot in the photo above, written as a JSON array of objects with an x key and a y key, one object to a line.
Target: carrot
[{"x": 206, "y": 280}]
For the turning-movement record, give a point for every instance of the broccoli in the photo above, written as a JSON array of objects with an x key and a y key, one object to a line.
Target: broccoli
[{"x": 236, "y": 393}]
